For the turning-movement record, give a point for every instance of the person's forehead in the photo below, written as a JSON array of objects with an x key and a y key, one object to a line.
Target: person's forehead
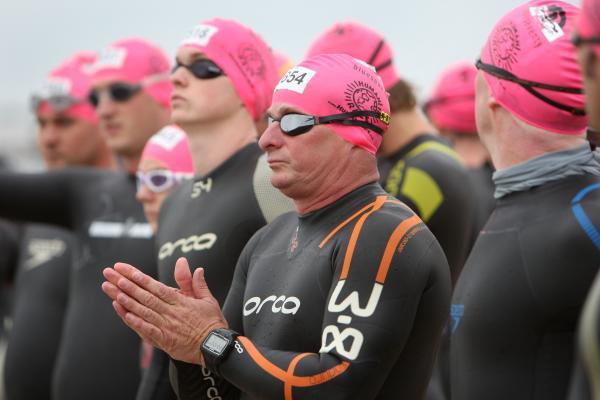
[
  {"x": 189, "y": 54},
  {"x": 279, "y": 109}
]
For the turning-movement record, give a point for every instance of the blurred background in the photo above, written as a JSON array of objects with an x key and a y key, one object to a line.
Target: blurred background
[{"x": 37, "y": 35}]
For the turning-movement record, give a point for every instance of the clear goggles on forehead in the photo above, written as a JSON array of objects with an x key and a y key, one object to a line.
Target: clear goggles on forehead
[
  {"x": 58, "y": 102},
  {"x": 296, "y": 124},
  {"x": 160, "y": 180}
]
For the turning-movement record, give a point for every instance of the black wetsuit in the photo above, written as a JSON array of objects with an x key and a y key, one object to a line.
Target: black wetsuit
[
  {"x": 346, "y": 302},
  {"x": 483, "y": 191},
  {"x": 516, "y": 304},
  {"x": 209, "y": 220},
  {"x": 428, "y": 175},
  {"x": 40, "y": 299},
  {"x": 99, "y": 355}
]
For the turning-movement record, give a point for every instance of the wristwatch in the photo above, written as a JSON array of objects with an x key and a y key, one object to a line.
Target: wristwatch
[{"x": 217, "y": 346}]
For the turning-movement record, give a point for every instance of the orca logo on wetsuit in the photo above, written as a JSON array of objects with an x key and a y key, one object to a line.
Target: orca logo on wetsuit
[
  {"x": 281, "y": 304},
  {"x": 212, "y": 392},
  {"x": 192, "y": 243},
  {"x": 43, "y": 250}
]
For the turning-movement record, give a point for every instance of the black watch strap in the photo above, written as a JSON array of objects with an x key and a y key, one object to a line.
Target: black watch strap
[{"x": 216, "y": 347}]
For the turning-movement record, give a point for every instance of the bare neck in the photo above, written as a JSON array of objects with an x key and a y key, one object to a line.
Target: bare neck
[
  {"x": 212, "y": 143},
  {"x": 104, "y": 160},
  {"x": 515, "y": 142},
  {"x": 404, "y": 127},
  {"x": 345, "y": 177}
]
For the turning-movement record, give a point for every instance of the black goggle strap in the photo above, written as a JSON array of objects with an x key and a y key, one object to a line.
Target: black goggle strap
[
  {"x": 346, "y": 119},
  {"x": 579, "y": 40},
  {"x": 530, "y": 85},
  {"x": 371, "y": 60}
]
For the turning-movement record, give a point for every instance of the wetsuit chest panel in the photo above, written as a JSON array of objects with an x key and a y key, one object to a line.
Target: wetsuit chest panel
[{"x": 209, "y": 220}]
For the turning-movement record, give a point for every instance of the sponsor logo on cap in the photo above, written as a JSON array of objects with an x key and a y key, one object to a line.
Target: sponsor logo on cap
[
  {"x": 552, "y": 19},
  {"x": 111, "y": 57},
  {"x": 251, "y": 60},
  {"x": 200, "y": 35},
  {"x": 296, "y": 79},
  {"x": 168, "y": 137},
  {"x": 505, "y": 46}
]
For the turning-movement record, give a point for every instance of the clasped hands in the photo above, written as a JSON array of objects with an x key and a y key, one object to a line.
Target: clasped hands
[{"x": 176, "y": 321}]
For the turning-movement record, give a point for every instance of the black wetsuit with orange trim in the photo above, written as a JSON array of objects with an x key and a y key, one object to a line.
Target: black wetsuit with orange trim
[
  {"x": 209, "y": 220},
  {"x": 99, "y": 355},
  {"x": 346, "y": 302},
  {"x": 429, "y": 177},
  {"x": 517, "y": 302}
]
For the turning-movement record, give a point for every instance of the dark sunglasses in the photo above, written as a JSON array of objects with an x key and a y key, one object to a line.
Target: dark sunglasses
[
  {"x": 57, "y": 102},
  {"x": 530, "y": 85},
  {"x": 297, "y": 124},
  {"x": 201, "y": 68},
  {"x": 119, "y": 92},
  {"x": 578, "y": 40},
  {"x": 159, "y": 180}
]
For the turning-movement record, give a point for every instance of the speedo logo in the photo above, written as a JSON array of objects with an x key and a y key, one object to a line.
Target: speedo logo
[
  {"x": 281, "y": 304},
  {"x": 44, "y": 250},
  {"x": 192, "y": 243}
]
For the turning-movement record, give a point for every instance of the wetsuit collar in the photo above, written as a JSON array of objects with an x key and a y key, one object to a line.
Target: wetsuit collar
[{"x": 550, "y": 167}]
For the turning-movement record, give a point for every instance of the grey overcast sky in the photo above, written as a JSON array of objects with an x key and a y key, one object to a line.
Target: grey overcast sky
[{"x": 425, "y": 34}]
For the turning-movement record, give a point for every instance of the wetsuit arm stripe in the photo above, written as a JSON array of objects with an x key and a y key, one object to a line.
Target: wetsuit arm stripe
[
  {"x": 343, "y": 224},
  {"x": 398, "y": 234},
  {"x": 287, "y": 377}
]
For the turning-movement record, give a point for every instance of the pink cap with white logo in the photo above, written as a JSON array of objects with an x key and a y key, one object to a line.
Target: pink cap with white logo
[
  {"x": 452, "y": 104},
  {"x": 171, "y": 147},
  {"x": 360, "y": 42},
  {"x": 242, "y": 55},
  {"x": 329, "y": 84},
  {"x": 532, "y": 42},
  {"x": 136, "y": 61},
  {"x": 70, "y": 82}
]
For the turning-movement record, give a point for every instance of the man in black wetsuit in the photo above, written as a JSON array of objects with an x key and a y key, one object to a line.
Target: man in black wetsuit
[
  {"x": 68, "y": 135},
  {"x": 219, "y": 66},
  {"x": 516, "y": 304},
  {"x": 99, "y": 358},
  {"x": 344, "y": 299},
  {"x": 451, "y": 109},
  {"x": 585, "y": 384},
  {"x": 415, "y": 164}
]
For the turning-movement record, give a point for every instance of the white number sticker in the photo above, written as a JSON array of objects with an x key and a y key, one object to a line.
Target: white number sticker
[
  {"x": 296, "y": 79},
  {"x": 200, "y": 35}
]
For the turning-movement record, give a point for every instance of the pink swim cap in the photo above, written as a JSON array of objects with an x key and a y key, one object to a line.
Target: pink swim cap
[
  {"x": 170, "y": 146},
  {"x": 589, "y": 20},
  {"x": 242, "y": 55},
  {"x": 329, "y": 84},
  {"x": 136, "y": 61},
  {"x": 360, "y": 42},
  {"x": 532, "y": 42},
  {"x": 452, "y": 104},
  {"x": 66, "y": 89}
]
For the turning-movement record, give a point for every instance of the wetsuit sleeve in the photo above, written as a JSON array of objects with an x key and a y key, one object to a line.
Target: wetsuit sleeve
[
  {"x": 367, "y": 318},
  {"x": 44, "y": 198},
  {"x": 155, "y": 384}
]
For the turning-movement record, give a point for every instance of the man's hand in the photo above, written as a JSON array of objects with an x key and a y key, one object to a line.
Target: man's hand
[{"x": 176, "y": 321}]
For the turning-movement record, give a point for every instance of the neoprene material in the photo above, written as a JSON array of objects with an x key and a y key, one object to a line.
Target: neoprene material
[
  {"x": 518, "y": 299},
  {"x": 209, "y": 220},
  {"x": 323, "y": 319},
  {"x": 99, "y": 356},
  {"x": 428, "y": 176}
]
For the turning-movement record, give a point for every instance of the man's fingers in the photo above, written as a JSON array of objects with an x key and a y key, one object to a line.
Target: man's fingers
[
  {"x": 111, "y": 290},
  {"x": 146, "y": 330},
  {"x": 183, "y": 277},
  {"x": 145, "y": 282},
  {"x": 111, "y": 275},
  {"x": 119, "y": 309},
  {"x": 138, "y": 309},
  {"x": 200, "y": 286}
]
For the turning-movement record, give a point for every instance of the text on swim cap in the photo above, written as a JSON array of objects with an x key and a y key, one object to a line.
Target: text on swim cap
[
  {"x": 200, "y": 35},
  {"x": 55, "y": 86},
  {"x": 296, "y": 79},
  {"x": 112, "y": 57},
  {"x": 550, "y": 19},
  {"x": 168, "y": 137}
]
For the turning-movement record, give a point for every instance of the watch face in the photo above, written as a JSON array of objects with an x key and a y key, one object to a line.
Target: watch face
[{"x": 216, "y": 343}]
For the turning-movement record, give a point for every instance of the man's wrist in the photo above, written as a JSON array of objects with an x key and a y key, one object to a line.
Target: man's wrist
[{"x": 216, "y": 347}]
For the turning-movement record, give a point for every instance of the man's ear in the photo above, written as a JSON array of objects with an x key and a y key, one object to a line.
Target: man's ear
[{"x": 590, "y": 64}]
